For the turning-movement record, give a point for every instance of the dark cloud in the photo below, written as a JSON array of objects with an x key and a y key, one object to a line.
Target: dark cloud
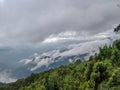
[{"x": 31, "y": 21}]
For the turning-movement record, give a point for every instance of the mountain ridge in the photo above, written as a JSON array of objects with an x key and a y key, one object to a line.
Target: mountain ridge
[{"x": 101, "y": 72}]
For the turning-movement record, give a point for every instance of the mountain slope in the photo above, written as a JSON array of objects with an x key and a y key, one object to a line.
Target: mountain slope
[
  {"x": 46, "y": 57},
  {"x": 57, "y": 58},
  {"x": 101, "y": 72}
]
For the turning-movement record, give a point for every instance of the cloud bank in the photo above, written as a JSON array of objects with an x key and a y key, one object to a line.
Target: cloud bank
[
  {"x": 24, "y": 22},
  {"x": 5, "y": 77},
  {"x": 89, "y": 46}
]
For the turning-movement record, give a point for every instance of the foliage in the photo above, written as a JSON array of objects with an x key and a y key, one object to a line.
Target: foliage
[
  {"x": 117, "y": 28},
  {"x": 100, "y": 72}
]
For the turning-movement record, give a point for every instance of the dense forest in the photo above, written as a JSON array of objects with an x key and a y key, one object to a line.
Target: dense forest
[{"x": 100, "y": 72}]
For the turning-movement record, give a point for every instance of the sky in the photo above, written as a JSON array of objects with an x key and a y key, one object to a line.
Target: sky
[
  {"x": 29, "y": 22},
  {"x": 32, "y": 28}
]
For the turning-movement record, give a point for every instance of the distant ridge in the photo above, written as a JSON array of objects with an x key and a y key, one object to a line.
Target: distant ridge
[{"x": 101, "y": 72}]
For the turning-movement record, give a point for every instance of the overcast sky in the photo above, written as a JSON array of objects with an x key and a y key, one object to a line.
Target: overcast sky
[
  {"x": 53, "y": 25},
  {"x": 24, "y": 22}
]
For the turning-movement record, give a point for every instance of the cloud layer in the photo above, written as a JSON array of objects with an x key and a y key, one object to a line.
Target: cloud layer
[
  {"x": 75, "y": 25},
  {"x": 25, "y": 22},
  {"x": 6, "y": 77},
  {"x": 89, "y": 46}
]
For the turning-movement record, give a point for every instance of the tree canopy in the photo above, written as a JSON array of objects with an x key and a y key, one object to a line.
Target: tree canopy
[
  {"x": 100, "y": 72},
  {"x": 117, "y": 29}
]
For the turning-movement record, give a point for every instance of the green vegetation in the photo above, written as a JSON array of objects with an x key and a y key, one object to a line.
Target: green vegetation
[
  {"x": 117, "y": 28},
  {"x": 101, "y": 72}
]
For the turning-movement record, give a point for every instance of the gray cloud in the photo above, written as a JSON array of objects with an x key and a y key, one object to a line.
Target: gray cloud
[
  {"x": 5, "y": 77},
  {"x": 31, "y": 21},
  {"x": 90, "y": 46}
]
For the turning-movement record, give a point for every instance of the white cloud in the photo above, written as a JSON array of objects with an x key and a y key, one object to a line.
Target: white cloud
[
  {"x": 42, "y": 62},
  {"x": 70, "y": 61},
  {"x": 5, "y": 77},
  {"x": 26, "y": 61},
  {"x": 75, "y": 36},
  {"x": 90, "y": 45}
]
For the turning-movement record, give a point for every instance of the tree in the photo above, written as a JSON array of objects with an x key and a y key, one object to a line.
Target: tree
[
  {"x": 99, "y": 73},
  {"x": 115, "y": 79},
  {"x": 117, "y": 28}
]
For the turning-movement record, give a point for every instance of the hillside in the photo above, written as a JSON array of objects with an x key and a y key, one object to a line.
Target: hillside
[{"x": 101, "y": 72}]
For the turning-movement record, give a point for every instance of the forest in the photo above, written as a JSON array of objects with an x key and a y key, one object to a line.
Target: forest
[{"x": 100, "y": 72}]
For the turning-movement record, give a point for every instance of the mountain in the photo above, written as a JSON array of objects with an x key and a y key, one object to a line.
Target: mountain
[
  {"x": 100, "y": 72},
  {"x": 2, "y": 83},
  {"x": 58, "y": 57},
  {"x": 55, "y": 58},
  {"x": 43, "y": 59}
]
